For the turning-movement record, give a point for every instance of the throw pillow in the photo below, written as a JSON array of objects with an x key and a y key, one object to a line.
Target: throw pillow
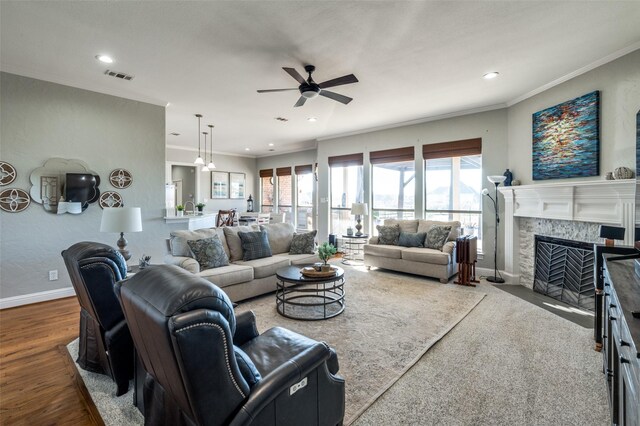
[
  {"x": 303, "y": 243},
  {"x": 436, "y": 237},
  {"x": 255, "y": 245},
  {"x": 388, "y": 234},
  {"x": 408, "y": 239},
  {"x": 209, "y": 252}
]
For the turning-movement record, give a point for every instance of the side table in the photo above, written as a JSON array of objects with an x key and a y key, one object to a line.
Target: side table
[{"x": 353, "y": 245}]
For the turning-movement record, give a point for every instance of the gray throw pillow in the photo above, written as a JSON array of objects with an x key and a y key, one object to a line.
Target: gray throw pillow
[
  {"x": 408, "y": 239},
  {"x": 436, "y": 237},
  {"x": 255, "y": 245},
  {"x": 388, "y": 234},
  {"x": 209, "y": 252},
  {"x": 303, "y": 243}
]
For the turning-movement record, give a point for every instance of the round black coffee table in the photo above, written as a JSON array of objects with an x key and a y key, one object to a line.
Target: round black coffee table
[{"x": 309, "y": 299}]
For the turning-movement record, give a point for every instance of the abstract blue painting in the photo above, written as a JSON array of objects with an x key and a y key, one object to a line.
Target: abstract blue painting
[{"x": 566, "y": 139}]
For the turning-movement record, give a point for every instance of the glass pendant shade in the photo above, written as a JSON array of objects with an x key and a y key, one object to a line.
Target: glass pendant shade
[
  {"x": 199, "y": 161},
  {"x": 205, "y": 169},
  {"x": 211, "y": 165}
]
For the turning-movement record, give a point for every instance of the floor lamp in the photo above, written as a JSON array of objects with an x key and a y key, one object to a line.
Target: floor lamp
[{"x": 496, "y": 180}]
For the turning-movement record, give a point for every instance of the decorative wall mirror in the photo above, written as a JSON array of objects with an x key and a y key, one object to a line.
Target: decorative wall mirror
[{"x": 64, "y": 186}]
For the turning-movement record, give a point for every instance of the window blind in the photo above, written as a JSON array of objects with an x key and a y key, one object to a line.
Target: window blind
[
  {"x": 266, "y": 173},
  {"x": 283, "y": 171},
  {"x": 392, "y": 155},
  {"x": 346, "y": 160},
  {"x": 452, "y": 149},
  {"x": 306, "y": 169}
]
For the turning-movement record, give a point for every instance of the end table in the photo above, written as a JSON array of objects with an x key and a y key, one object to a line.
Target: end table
[{"x": 353, "y": 253}]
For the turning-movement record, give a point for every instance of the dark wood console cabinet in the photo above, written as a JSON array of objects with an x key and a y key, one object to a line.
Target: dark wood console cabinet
[{"x": 621, "y": 339}]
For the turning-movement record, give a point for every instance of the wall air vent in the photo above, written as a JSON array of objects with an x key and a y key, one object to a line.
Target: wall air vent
[
  {"x": 282, "y": 119},
  {"x": 117, "y": 74}
]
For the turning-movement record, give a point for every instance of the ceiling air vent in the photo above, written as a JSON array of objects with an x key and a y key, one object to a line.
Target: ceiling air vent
[
  {"x": 117, "y": 74},
  {"x": 174, "y": 134},
  {"x": 282, "y": 119}
]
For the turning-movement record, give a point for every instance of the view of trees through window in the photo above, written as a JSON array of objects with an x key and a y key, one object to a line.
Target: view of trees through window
[
  {"x": 393, "y": 191},
  {"x": 453, "y": 189},
  {"x": 346, "y": 189},
  {"x": 266, "y": 184}
]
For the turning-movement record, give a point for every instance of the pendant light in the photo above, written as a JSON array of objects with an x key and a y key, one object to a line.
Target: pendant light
[
  {"x": 211, "y": 166},
  {"x": 199, "y": 160},
  {"x": 205, "y": 168}
]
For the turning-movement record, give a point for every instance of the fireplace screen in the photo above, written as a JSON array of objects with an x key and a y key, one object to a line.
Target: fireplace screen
[{"x": 564, "y": 270}]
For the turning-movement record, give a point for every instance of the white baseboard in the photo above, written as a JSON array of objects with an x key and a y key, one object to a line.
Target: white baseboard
[
  {"x": 508, "y": 278},
  {"x": 43, "y": 296}
]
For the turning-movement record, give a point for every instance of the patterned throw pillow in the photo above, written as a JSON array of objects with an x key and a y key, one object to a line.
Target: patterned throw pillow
[
  {"x": 209, "y": 252},
  {"x": 436, "y": 237},
  {"x": 388, "y": 234},
  {"x": 255, "y": 245},
  {"x": 303, "y": 243},
  {"x": 408, "y": 239}
]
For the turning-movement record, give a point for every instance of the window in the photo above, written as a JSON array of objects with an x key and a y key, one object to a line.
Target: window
[
  {"x": 453, "y": 184},
  {"x": 393, "y": 184},
  {"x": 266, "y": 190},
  {"x": 304, "y": 197},
  {"x": 346, "y": 188},
  {"x": 284, "y": 192}
]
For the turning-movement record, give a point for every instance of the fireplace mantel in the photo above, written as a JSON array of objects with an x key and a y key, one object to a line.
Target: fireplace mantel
[{"x": 610, "y": 202}]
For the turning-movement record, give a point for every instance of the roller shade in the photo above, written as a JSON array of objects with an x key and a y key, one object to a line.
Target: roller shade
[
  {"x": 452, "y": 149},
  {"x": 266, "y": 173},
  {"x": 346, "y": 160},
  {"x": 303, "y": 170},
  {"x": 283, "y": 171},
  {"x": 392, "y": 155}
]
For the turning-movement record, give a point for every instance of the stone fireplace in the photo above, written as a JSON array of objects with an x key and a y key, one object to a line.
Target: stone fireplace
[{"x": 568, "y": 210}]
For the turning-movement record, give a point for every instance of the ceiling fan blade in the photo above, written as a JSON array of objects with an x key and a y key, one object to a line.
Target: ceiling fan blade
[
  {"x": 300, "y": 102},
  {"x": 345, "y": 79},
  {"x": 295, "y": 74},
  {"x": 276, "y": 90},
  {"x": 336, "y": 96}
]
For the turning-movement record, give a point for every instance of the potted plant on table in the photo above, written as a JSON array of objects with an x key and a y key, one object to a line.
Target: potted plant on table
[
  {"x": 325, "y": 251},
  {"x": 200, "y": 206},
  {"x": 180, "y": 210}
]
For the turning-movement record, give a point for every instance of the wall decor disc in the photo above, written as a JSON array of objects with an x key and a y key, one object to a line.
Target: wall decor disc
[
  {"x": 7, "y": 173},
  {"x": 14, "y": 200},
  {"x": 121, "y": 178},
  {"x": 110, "y": 199}
]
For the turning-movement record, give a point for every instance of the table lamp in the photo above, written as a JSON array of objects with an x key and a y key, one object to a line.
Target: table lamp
[
  {"x": 121, "y": 219},
  {"x": 359, "y": 209}
]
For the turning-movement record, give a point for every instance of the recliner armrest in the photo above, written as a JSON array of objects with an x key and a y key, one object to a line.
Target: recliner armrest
[
  {"x": 188, "y": 263},
  {"x": 279, "y": 380},
  {"x": 245, "y": 328}
]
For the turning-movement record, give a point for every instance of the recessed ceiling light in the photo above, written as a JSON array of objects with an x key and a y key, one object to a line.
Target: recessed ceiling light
[
  {"x": 490, "y": 75},
  {"x": 104, "y": 58},
  {"x": 247, "y": 149},
  {"x": 168, "y": 105},
  {"x": 312, "y": 119},
  {"x": 270, "y": 144}
]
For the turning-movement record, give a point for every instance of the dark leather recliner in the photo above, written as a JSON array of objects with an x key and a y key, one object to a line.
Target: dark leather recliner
[
  {"x": 105, "y": 344},
  {"x": 207, "y": 366}
]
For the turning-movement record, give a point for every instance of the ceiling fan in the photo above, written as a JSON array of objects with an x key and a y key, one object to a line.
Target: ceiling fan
[{"x": 309, "y": 89}]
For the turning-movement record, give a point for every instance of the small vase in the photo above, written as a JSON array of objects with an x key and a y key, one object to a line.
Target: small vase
[
  {"x": 509, "y": 177},
  {"x": 179, "y": 213}
]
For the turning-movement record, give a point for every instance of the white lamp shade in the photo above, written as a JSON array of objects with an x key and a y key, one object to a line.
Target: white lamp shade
[
  {"x": 496, "y": 179},
  {"x": 211, "y": 166},
  {"x": 199, "y": 161},
  {"x": 359, "y": 208},
  {"x": 485, "y": 191},
  {"x": 205, "y": 169},
  {"x": 121, "y": 219}
]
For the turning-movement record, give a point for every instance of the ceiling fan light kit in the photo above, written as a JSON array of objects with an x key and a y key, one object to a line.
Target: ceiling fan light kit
[{"x": 309, "y": 89}]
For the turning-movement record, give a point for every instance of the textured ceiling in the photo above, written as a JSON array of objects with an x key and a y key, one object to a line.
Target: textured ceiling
[{"x": 414, "y": 60}]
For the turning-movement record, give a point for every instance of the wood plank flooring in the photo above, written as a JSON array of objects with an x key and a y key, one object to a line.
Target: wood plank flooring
[{"x": 38, "y": 383}]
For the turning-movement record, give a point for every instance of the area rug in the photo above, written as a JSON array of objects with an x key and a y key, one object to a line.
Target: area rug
[{"x": 389, "y": 323}]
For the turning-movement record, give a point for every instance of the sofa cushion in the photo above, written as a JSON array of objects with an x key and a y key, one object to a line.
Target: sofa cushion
[
  {"x": 266, "y": 266},
  {"x": 280, "y": 236},
  {"x": 233, "y": 241},
  {"x": 178, "y": 240},
  {"x": 409, "y": 225},
  {"x": 424, "y": 225},
  {"x": 388, "y": 234},
  {"x": 392, "y": 252},
  {"x": 436, "y": 236},
  {"x": 303, "y": 243},
  {"x": 426, "y": 255},
  {"x": 410, "y": 239},
  {"x": 225, "y": 276},
  {"x": 209, "y": 252},
  {"x": 300, "y": 259},
  {"x": 255, "y": 245}
]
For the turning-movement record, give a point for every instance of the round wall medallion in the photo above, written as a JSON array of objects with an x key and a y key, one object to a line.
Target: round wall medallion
[
  {"x": 121, "y": 178},
  {"x": 7, "y": 173},
  {"x": 14, "y": 200},
  {"x": 110, "y": 199}
]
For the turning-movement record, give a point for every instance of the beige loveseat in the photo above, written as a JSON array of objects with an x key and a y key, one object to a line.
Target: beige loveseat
[
  {"x": 240, "y": 280},
  {"x": 415, "y": 260}
]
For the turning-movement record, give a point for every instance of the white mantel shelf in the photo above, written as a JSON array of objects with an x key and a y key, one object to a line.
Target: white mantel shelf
[{"x": 610, "y": 202}]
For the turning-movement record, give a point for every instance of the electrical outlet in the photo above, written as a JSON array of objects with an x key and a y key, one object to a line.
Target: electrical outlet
[{"x": 53, "y": 275}]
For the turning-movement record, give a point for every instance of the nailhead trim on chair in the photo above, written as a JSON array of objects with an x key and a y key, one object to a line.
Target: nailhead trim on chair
[{"x": 226, "y": 351}]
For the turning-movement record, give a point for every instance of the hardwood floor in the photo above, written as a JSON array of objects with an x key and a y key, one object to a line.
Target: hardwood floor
[{"x": 38, "y": 382}]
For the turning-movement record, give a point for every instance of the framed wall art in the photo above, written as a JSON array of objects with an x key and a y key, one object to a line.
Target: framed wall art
[
  {"x": 236, "y": 185},
  {"x": 219, "y": 185},
  {"x": 566, "y": 139}
]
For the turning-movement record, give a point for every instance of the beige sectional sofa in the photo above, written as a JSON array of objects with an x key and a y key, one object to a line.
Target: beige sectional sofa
[
  {"x": 240, "y": 280},
  {"x": 415, "y": 260}
]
